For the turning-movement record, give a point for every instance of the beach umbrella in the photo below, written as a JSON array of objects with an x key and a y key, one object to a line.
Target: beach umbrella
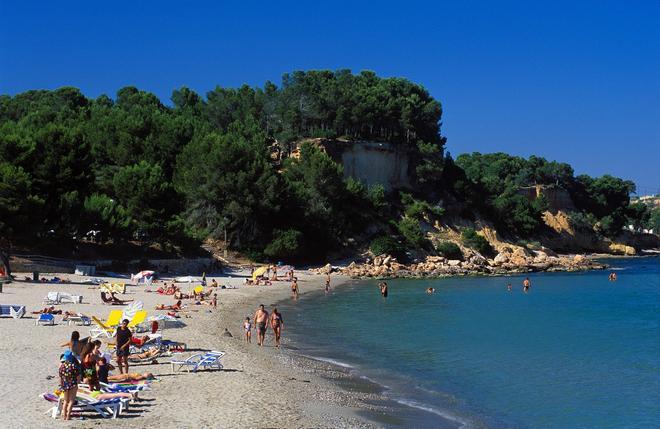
[{"x": 259, "y": 272}]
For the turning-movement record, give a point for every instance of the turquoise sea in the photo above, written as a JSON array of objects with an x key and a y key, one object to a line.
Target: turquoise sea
[{"x": 577, "y": 351}]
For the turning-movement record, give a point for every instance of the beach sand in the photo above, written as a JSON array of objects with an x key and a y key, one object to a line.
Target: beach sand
[{"x": 259, "y": 387}]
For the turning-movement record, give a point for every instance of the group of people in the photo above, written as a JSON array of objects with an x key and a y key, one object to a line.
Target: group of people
[
  {"x": 84, "y": 362},
  {"x": 527, "y": 284},
  {"x": 262, "y": 320}
]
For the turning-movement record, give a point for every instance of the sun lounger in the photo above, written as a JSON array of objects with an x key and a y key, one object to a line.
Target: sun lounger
[
  {"x": 15, "y": 311},
  {"x": 113, "y": 287},
  {"x": 52, "y": 298},
  {"x": 45, "y": 319},
  {"x": 108, "y": 408},
  {"x": 208, "y": 360},
  {"x": 131, "y": 309},
  {"x": 138, "y": 319},
  {"x": 79, "y": 320},
  {"x": 106, "y": 329},
  {"x": 61, "y": 298}
]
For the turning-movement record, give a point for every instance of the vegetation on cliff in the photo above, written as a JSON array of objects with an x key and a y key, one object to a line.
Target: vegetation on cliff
[{"x": 133, "y": 168}]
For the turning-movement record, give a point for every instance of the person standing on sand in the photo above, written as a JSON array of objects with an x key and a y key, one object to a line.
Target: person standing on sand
[
  {"x": 294, "y": 288},
  {"x": 124, "y": 336},
  {"x": 276, "y": 322},
  {"x": 247, "y": 326},
  {"x": 526, "y": 284},
  {"x": 69, "y": 374},
  {"x": 261, "y": 321},
  {"x": 214, "y": 301}
]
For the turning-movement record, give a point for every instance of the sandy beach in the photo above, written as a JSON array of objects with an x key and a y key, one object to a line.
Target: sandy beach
[{"x": 259, "y": 387}]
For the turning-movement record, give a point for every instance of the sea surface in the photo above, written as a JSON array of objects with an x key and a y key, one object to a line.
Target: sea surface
[{"x": 577, "y": 351}]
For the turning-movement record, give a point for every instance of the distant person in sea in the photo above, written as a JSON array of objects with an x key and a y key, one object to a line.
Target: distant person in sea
[
  {"x": 526, "y": 284},
  {"x": 247, "y": 327},
  {"x": 294, "y": 288},
  {"x": 430, "y": 290},
  {"x": 509, "y": 287},
  {"x": 261, "y": 321},
  {"x": 327, "y": 284},
  {"x": 383, "y": 289},
  {"x": 612, "y": 277},
  {"x": 276, "y": 322},
  {"x": 124, "y": 336}
]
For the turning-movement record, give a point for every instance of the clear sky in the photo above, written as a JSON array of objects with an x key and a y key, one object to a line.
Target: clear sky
[{"x": 574, "y": 81}]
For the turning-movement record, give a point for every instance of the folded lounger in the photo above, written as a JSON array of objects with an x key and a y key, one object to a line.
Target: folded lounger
[
  {"x": 198, "y": 361},
  {"x": 15, "y": 311}
]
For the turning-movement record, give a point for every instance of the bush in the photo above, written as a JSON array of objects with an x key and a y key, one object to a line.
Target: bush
[
  {"x": 285, "y": 244},
  {"x": 475, "y": 241},
  {"x": 387, "y": 245},
  {"x": 410, "y": 230},
  {"x": 449, "y": 250}
]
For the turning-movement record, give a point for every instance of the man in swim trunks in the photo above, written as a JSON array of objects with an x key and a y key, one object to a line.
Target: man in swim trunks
[
  {"x": 124, "y": 336},
  {"x": 526, "y": 284},
  {"x": 261, "y": 321}
]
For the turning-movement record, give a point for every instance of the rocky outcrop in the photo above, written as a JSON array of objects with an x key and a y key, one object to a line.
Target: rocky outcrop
[
  {"x": 621, "y": 249},
  {"x": 507, "y": 261}
]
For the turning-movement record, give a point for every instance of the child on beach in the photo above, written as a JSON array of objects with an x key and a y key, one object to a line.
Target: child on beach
[
  {"x": 247, "y": 325},
  {"x": 214, "y": 301}
]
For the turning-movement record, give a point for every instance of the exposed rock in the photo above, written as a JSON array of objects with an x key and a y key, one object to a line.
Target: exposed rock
[
  {"x": 501, "y": 258},
  {"x": 622, "y": 249},
  {"x": 454, "y": 262}
]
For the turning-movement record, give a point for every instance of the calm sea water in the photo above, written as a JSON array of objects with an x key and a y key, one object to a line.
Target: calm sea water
[{"x": 577, "y": 351}]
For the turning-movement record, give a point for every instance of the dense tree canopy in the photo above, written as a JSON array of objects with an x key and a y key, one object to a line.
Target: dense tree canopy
[{"x": 133, "y": 167}]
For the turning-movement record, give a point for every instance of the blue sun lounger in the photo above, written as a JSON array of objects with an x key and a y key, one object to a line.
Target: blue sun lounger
[
  {"x": 45, "y": 319},
  {"x": 208, "y": 360}
]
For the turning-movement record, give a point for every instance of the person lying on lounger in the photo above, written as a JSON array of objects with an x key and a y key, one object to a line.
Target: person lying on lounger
[
  {"x": 180, "y": 295},
  {"x": 175, "y": 307},
  {"x": 149, "y": 354},
  {"x": 48, "y": 310},
  {"x": 133, "y": 376}
]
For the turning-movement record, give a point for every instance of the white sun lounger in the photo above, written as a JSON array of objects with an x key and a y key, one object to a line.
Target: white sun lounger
[{"x": 208, "y": 360}]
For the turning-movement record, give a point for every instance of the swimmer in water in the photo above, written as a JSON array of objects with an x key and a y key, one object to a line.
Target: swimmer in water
[
  {"x": 383, "y": 289},
  {"x": 526, "y": 284},
  {"x": 508, "y": 287},
  {"x": 612, "y": 277}
]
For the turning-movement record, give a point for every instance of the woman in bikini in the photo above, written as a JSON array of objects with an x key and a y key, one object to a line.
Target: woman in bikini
[{"x": 276, "y": 322}]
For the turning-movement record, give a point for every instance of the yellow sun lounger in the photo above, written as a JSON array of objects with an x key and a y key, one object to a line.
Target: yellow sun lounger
[{"x": 106, "y": 328}]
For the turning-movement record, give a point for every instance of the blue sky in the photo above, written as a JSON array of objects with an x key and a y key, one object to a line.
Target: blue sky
[{"x": 574, "y": 81}]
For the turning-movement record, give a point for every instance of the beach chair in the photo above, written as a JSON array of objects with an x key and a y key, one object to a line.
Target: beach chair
[
  {"x": 138, "y": 319},
  {"x": 106, "y": 329},
  {"x": 52, "y": 298},
  {"x": 208, "y": 360},
  {"x": 45, "y": 319},
  {"x": 108, "y": 409},
  {"x": 15, "y": 311},
  {"x": 79, "y": 320},
  {"x": 131, "y": 309},
  {"x": 68, "y": 298}
]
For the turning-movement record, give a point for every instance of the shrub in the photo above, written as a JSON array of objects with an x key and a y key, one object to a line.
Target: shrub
[
  {"x": 475, "y": 241},
  {"x": 449, "y": 250},
  {"x": 285, "y": 244},
  {"x": 387, "y": 245},
  {"x": 410, "y": 230}
]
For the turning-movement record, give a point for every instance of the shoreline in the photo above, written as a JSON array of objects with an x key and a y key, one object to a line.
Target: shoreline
[{"x": 259, "y": 387}]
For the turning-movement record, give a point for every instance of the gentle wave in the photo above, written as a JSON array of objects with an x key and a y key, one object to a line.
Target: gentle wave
[
  {"x": 433, "y": 410},
  {"x": 331, "y": 361}
]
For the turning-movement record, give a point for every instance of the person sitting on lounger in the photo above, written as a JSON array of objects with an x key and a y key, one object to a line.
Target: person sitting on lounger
[{"x": 112, "y": 299}]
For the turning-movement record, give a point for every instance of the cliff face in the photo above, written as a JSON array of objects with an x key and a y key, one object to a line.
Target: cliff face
[
  {"x": 369, "y": 162},
  {"x": 558, "y": 199}
]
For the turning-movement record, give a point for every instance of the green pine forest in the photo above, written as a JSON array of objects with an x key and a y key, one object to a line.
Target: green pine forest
[{"x": 131, "y": 168}]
